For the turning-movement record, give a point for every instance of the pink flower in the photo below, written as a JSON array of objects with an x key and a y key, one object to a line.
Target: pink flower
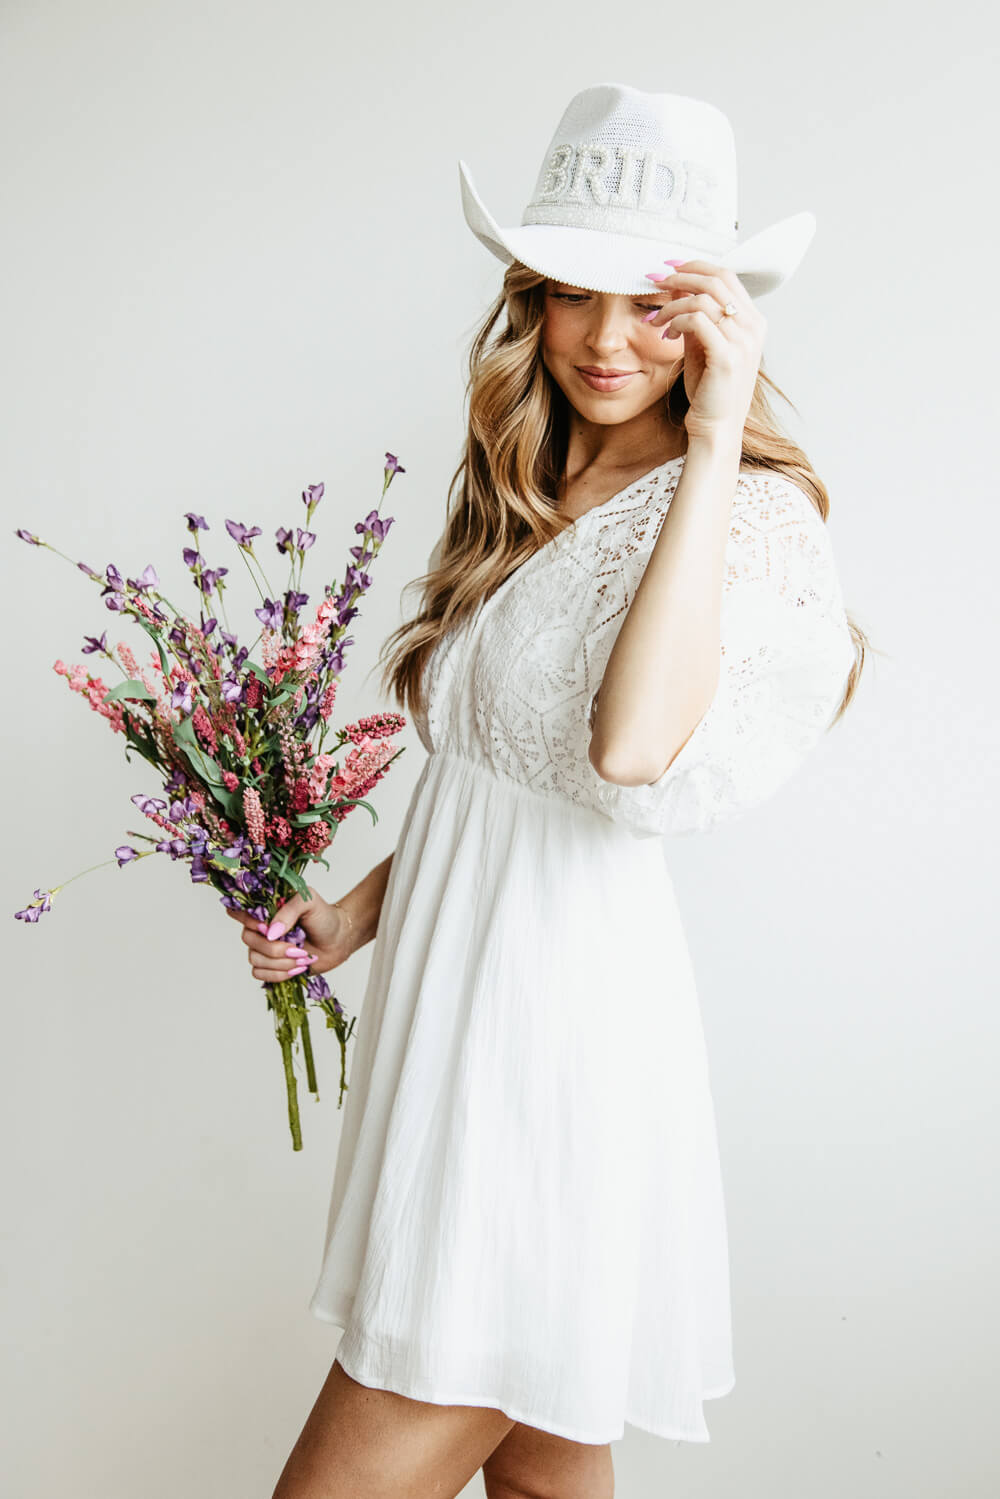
[
  {"x": 254, "y": 813},
  {"x": 203, "y": 727},
  {"x": 127, "y": 659},
  {"x": 326, "y": 706}
]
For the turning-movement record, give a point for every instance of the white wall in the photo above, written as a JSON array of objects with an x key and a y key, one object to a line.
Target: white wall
[{"x": 234, "y": 263}]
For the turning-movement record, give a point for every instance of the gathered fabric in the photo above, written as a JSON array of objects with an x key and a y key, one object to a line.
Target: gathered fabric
[{"x": 527, "y": 1208}]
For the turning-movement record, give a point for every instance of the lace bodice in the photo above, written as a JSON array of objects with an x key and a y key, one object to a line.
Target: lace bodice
[{"x": 515, "y": 685}]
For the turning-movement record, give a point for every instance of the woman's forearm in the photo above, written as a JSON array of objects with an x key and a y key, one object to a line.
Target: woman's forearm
[
  {"x": 363, "y": 904},
  {"x": 663, "y": 669}
]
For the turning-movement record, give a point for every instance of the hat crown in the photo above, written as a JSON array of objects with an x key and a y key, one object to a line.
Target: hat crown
[{"x": 660, "y": 166}]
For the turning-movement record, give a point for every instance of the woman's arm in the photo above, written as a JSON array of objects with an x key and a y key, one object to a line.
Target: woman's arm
[
  {"x": 363, "y": 903},
  {"x": 672, "y": 629}
]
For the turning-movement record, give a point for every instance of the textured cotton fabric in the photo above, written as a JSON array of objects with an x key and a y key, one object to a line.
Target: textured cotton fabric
[{"x": 527, "y": 1209}]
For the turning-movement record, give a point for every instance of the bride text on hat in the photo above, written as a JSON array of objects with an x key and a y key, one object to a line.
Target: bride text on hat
[{"x": 584, "y": 174}]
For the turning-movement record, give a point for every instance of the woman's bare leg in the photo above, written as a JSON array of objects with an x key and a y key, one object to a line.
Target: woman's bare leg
[
  {"x": 533, "y": 1464},
  {"x": 361, "y": 1443}
]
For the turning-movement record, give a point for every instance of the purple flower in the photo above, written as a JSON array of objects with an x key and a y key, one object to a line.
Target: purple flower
[
  {"x": 208, "y": 627},
  {"x": 317, "y": 987},
  {"x": 231, "y": 640},
  {"x": 191, "y": 556},
  {"x": 41, "y": 903},
  {"x": 125, "y": 854},
  {"x": 88, "y": 570},
  {"x": 210, "y": 578},
  {"x": 284, "y": 536},
  {"x": 393, "y": 466},
  {"x": 312, "y": 494},
  {"x": 295, "y": 601},
  {"x": 148, "y": 804},
  {"x": 182, "y": 697},
  {"x": 114, "y": 601},
  {"x": 374, "y": 523},
  {"x": 175, "y": 847},
  {"x": 306, "y": 538},
  {"x": 240, "y": 533},
  {"x": 94, "y": 643},
  {"x": 146, "y": 579},
  {"x": 29, "y": 537},
  {"x": 196, "y": 521},
  {"x": 231, "y": 690},
  {"x": 114, "y": 578},
  {"x": 271, "y": 614}
]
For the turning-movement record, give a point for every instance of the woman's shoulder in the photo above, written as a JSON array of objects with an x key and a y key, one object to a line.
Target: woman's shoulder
[{"x": 772, "y": 492}]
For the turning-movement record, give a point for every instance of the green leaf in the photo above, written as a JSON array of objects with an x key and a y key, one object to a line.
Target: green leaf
[
  {"x": 298, "y": 884},
  {"x": 130, "y": 689},
  {"x": 225, "y": 861},
  {"x": 155, "y": 638},
  {"x": 203, "y": 764},
  {"x": 259, "y": 672}
]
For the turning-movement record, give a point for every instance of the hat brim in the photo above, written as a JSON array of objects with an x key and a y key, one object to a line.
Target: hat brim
[{"x": 596, "y": 260}]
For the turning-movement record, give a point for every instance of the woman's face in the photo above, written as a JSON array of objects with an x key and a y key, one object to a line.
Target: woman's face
[{"x": 592, "y": 330}]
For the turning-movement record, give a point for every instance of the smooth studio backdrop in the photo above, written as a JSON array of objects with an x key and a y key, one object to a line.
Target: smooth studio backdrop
[{"x": 234, "y": 264}]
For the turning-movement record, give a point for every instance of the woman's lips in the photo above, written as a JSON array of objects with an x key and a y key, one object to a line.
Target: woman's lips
[{"x": 605, "y": 382}]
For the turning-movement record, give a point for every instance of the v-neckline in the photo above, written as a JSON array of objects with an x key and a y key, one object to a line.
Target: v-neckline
[{"x": 553, "y": 540}]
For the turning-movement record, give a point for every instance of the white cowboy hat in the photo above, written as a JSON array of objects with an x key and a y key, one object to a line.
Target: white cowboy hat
[{"x": 630, "y": 179}]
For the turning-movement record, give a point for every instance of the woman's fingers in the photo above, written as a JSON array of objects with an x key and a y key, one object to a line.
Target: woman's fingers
[
  {"x": 704, "y": 282},
  {"x": 271, "y": 961}
]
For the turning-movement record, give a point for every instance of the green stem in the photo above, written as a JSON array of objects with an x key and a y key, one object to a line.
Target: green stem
[
  {"x": 291, "y": 1089},
  {"x": 249, "y": 551},
  {"x": 308, "y": 1053},
  {"x": 249, "y": 569}
]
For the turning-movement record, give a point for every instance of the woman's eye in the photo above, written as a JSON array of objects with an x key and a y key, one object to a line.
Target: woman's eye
[{"x": 573, "y": 298}]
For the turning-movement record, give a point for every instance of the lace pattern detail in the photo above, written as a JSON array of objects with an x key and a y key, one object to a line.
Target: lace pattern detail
[{"x": 516, "y": 686}]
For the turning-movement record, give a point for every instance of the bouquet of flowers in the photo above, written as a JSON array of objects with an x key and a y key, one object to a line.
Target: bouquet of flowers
[{"x": 250, "y": 796}]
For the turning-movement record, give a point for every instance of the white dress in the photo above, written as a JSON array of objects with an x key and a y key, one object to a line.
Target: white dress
[{"x": 527, "y": 1207}]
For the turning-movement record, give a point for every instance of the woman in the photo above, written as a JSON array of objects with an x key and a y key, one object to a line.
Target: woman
[{"x": 632, "y": 626}]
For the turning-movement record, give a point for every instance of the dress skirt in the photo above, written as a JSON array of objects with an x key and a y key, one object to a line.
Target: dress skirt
[{"x": 527, "y": 1208}]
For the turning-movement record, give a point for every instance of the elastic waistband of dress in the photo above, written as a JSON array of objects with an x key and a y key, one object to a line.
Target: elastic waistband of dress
[{"x": 560, "y": 803}]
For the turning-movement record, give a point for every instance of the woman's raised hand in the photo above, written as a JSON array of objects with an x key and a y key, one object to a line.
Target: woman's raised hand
[
  {"x": 327, "y": 940},
  {"x": 722, "y": 349}
]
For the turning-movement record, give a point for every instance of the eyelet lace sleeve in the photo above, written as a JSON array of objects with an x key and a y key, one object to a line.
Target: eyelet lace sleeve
[{"x": 786, "y": 655}]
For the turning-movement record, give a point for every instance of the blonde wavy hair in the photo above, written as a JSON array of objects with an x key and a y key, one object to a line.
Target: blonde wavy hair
[{"x": 513, "y": 457}]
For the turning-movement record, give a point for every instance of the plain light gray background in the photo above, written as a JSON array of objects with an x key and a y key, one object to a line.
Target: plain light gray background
[{"x": 234, "y": 263}]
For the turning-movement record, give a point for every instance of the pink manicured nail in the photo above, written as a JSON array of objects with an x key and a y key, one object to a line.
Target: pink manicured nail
[
  {"x": 296, "y": 952},
  {"x": 262, "y": 927},
  {"x": 656, "y": 275},
  {"x": 301, "y": 969},
  {"x": 666, "y": 332},
  {"x": 673, "y": 262},
  {"x": 651, "y": 315},
  {"x": 274, "y": 931}
]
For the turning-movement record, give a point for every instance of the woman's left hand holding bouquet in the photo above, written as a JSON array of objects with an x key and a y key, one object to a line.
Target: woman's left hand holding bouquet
[{"x": 328, "y": 931}]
